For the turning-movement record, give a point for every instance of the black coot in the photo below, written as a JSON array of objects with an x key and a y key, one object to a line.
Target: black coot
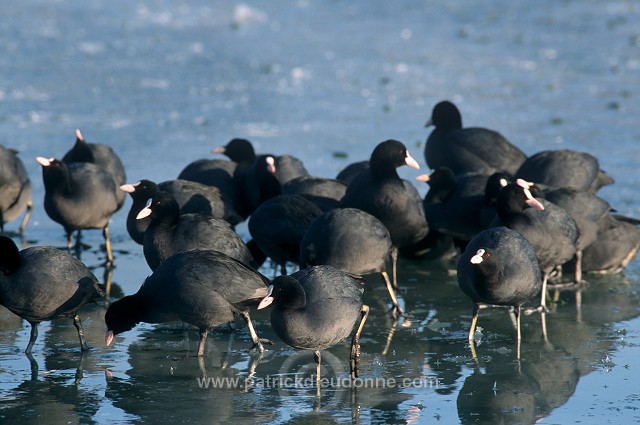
[
  {"x": 79, "y": 196},
  {"x": 212, "y": 172},
  {"x": 140, "y": 193},
  {"x": 247, "y": 179},
  {"x": 204, "y": 288},
  {"x": 43, "y": 283},
  {"x": 564, "y": 168},
  {"x": 495, "y": 183},
  {"x": 453, "y": 204},
  {"x": 192, "y": 197},
  {"x": 239, "y": 151},
  {"x": 279, "y": 224},
  {"x": 350, "y": 240},
  {"x": 352, "y": 170},
  {"x": 325, "y": 193},
  {"x": 216, "y": 172},
  {"x": 382, "y": 193},
  {"x": 499, "y": 267},
  {"x": 617, "y": 243},
  {"x": 587, "y": 210},
  {"x": 316, "y": 308},
  {"x": 15, "y": 189},
  {"x": 289, "y": 167},
  {"x": 471, "y": 149},
  {"x": 170, "y": 232},
  {"x": 101, "y": 155},
  {"x": 549, "y": 228},
  {"x": 258, "y": 184}
]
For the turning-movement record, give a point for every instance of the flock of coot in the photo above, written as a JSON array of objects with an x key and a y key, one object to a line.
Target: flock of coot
[{"x": 516, "y": 224}]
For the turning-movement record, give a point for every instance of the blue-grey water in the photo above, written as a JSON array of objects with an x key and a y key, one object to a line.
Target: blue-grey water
[{"x": 163, "y": 82}]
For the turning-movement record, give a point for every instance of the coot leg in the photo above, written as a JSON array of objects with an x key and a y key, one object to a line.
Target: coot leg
[
  {"x": 394, "y": 265},
  {"x": 354, "y": 359},
  {"x": 543, "y": 296},
  {"x": 69, "y": 239},
  {"x": 519, "y": 338},
  {"x": 203, "y": 339},
  {"x": 318, "y": 359},
  {"x": 107, "y": 243},
  {"x": 392, "y": 331},
  {"x": 257, "y": 341},
  {"x": 474, "y": 321},
  {"x": 77, "y": 322},
  {"x": 25, "y": 219},
  {"x": 108, "y": 279},
  {"x": 578, "y": 275},
  {"x": 396, "y": 310},
  {"x": 32, "y": 338}
]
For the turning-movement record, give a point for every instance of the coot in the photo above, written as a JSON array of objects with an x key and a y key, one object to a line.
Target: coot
[
  {"x": 192, "y": 197},
  {"x": 257, "y": 184},
  {"x": 350, "y": 240},
  {"x": 288, "y": 167},
  {"x": 170, "y": 232},
  {"x": 564, "y": 168},
  {"x": 453, "y": 204},
  {"x": 140, "y": 193},
  {"x": 471, "y": 149},
  {"x": 616, "y": 244},
  {"x": 324, "y": 190},
  {"x": 352, "y": 170},
  {"x": 101, "y": 155},
  {"x": 239, "y": 151},
  {"x": 499, "y": 267},
  {"x": 42, "y": 283},
  {"x": 495, "y": 183},
  {"x": 204, "y": 288},
  {"x": 316, "y": 308},
  {"x": 79, "y": 196},
  {"x": 279, "y": 224},
  {"x": 383, "y": 194},
  {"x": 214, "y": 172},
  {"x": 379, "y": 191},
  {"x": 15, "y": 189},
  {"x": 549, "y": 228},
  {"x": 587, "y": 210}
]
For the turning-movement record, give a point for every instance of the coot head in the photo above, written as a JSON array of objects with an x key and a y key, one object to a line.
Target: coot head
[
  {"x": 238, "y": 150},
  {"x": 162, "y": 208},
  {"x": 445, "y": 115},
  {"x": 442, "y": 184},
  {"x": 144, "y": 189},
  {"x": 494, "y": 185},
  {"x": 54, "y": 172},
  {"x": 388, "y": 156},
  {"x": 285, "y": 292},
  {"x": 514, "y": 199},
  {"x": 9, "y": 256},
  {"x": 122, "y": 316}
]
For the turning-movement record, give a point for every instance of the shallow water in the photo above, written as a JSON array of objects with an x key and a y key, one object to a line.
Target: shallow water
[{"x": 164, "y": 82}]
